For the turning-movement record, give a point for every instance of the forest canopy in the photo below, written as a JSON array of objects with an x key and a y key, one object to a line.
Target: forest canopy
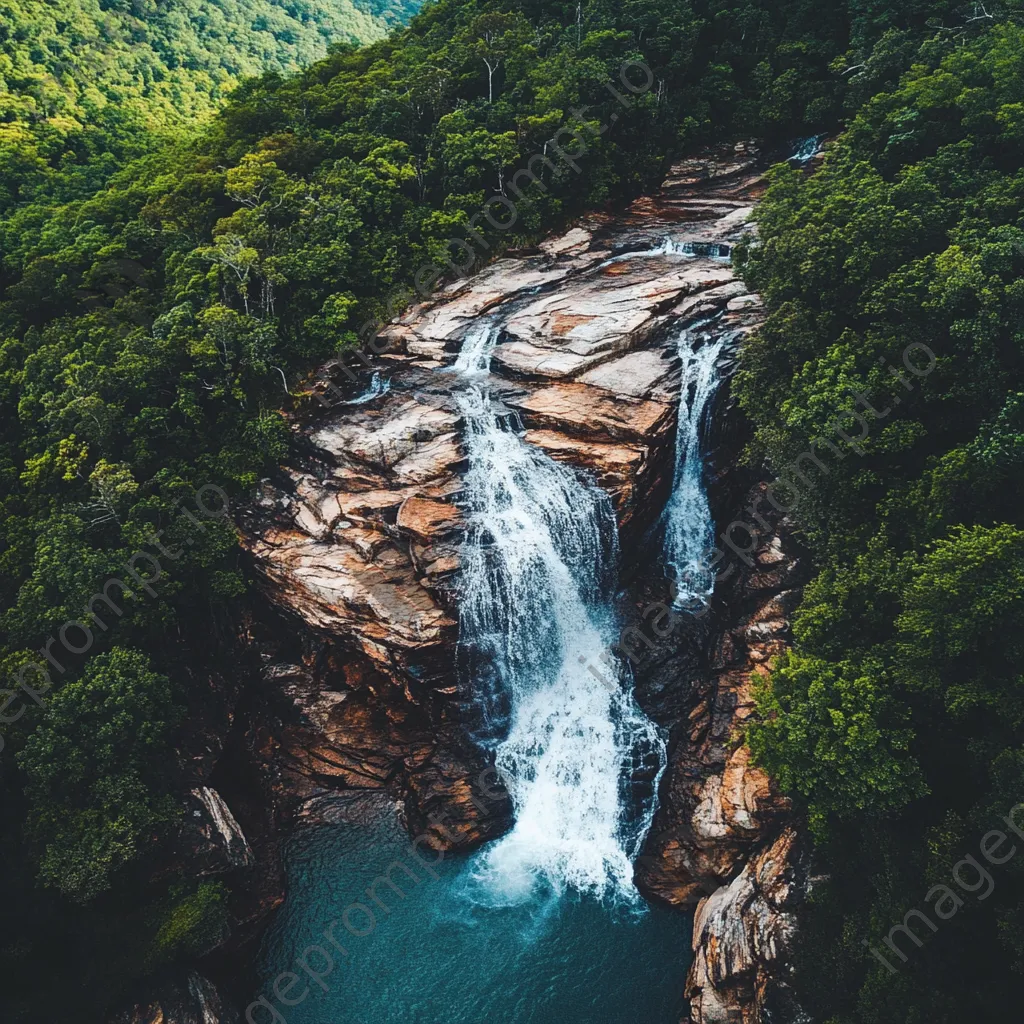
[
  {"x": 87, "y": 84},
  {"x": 897, "y": 720},
  {"x": 166, "y": 288}
]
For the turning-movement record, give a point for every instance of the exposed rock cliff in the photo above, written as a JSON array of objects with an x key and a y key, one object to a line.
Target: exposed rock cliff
[
  {"x": 742, "y": 935},
  {"x": 190, "y": 999},
  {"x": 358, "y": 546}
]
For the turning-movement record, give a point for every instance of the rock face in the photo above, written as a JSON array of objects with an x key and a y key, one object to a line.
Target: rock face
[
  {"x": 213, "y": 835},
  {"x": 741, "y": 935},
  {"x": 357, "y": 547},
  {"x": 191, "y": 999},
  {"x": 722, "y": 838},
  {"x": 716, "y": 807}
]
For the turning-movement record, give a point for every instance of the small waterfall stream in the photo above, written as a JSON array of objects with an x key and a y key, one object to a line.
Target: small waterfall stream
[
  {"x": 805, "y": 150},
  {"x": 475, "y": 355},
  {"x": 687, "y": 523}
]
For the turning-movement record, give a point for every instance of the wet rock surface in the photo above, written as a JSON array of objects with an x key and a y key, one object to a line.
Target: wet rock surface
[{"x": 723, "y": 838}]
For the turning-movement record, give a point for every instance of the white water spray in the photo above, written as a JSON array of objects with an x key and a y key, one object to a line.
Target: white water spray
[
  {"x": 688, "y": 527},
  {"x": 538, "y": 574},
  {"x": 805, "y": 150}
]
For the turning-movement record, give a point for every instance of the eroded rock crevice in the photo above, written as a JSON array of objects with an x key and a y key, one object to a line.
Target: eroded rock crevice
[{"x": 724, "y": 840}]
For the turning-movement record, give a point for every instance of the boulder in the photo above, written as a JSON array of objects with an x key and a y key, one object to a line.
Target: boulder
[
  {"x": 212, "y": 837},
  {"x": 742, "y": 935},
  {"x": 190, "y": 999}
]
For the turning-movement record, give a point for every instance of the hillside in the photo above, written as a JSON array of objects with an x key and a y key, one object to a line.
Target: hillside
[
  {"x": 892, "y": 278},
  {"x": 86, "y": 83}
]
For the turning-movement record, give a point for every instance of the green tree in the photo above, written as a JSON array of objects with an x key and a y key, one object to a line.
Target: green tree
[
  {"x": 893, "y": 283},
  {"x": 90, "y": 767}
]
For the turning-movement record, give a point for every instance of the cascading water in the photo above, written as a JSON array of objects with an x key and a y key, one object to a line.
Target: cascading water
[
  {"x": 536, "y": 615},
  {"x": 498, "y": 935},
  {"x": 379, "y": 385},
  {"x": 688, "y": 526},
  {"x": 708, "y": 250},
  {"x": 805, "y": 150},
  {"x": 475, "y": 355},
  {"x": 671, "y": 247}
]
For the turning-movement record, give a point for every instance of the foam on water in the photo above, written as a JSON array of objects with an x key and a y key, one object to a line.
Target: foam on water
[
  {"x": 707, "y": 250},
  {"x": 672, "y": 247}
]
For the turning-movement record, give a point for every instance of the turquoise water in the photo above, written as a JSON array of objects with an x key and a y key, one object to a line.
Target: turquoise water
[{"x": 437, "y": 956}]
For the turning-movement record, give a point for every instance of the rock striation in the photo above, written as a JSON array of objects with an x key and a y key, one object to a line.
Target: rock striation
[
  {"x": 742, "y": 934},
  {"x": 212, "y": 835},
  {"x": 190, "y": 999}
]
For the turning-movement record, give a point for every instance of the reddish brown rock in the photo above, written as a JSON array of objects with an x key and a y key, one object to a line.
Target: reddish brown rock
[
  {"x": 425, "y": 518},
  {"x": 722, "y": 837},
  {"x": 587, "y": 411}
]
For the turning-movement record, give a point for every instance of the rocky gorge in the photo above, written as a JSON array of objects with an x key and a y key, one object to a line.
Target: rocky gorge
[{"x": 357, "y": 547}]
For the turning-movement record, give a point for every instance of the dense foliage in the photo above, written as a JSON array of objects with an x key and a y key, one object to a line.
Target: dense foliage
[
  {"x": 85, "y": 84},
  {"x": 155, "y": 315},
  {"x": 150, "y": 329},
  {"x": 898, "y": 719}
]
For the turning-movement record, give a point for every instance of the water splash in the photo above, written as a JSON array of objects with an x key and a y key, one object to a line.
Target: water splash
[
  {"x": 805, "y": 150},
  {"x": 538, "y": 574},
  {"x": 475, "y": 355},
  {"x": 688, "y": 526}
]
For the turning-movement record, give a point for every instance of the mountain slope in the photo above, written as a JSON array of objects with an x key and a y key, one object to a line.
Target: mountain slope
[{"x": 82, "y": 80}]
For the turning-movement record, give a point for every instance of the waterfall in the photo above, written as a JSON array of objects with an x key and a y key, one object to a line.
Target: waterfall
[
  {"x": 805, "y": 150},
  {"x": 708, "y": 250},
  {"x": 379, "y": 385},
  {"x": 687, "y": 522},
  {"x": 537, "y": 628},
  {"x": 671, "y": 247}
]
